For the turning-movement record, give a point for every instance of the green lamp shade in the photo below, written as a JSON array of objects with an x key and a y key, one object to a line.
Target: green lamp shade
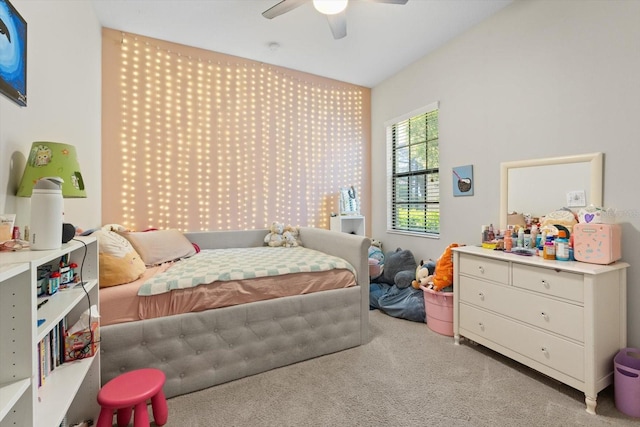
[{"x": 47, "y": 159}]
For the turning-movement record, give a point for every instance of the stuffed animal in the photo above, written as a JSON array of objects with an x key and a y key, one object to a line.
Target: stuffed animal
[
  {"x": 376, "y": 259},
  {"x": 291, "y": 236},
  {"x": 399, "y": 268},
  {"x": 377, "y": 243},
  {"x": 443, "y": 275},
  {"x": 423, "y": 274},
  {"x": 275, "y": 237}
]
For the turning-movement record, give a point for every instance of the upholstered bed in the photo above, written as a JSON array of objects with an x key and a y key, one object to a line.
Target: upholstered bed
[{"x": 202, "y": 349}]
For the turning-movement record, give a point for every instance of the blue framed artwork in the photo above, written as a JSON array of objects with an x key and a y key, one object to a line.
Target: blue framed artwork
[
  {"x": 463, "y": 180},
  {"x": 13, "y": 54}
]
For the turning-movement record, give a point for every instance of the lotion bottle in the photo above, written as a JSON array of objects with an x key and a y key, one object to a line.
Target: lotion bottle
[
  {"x": 508, "y": 242},
  {"x": 562, "y": 246},
  {"x": 549, "y": 249},
  {"x": 534, "y": 236},
  {"x": 520, "y": 242}
]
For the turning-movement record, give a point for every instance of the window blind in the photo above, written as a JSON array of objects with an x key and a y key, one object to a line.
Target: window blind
[{"x": 413, "y": 178}]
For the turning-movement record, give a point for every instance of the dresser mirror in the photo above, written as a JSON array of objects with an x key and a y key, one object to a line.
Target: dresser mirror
[{"x": 540, "y": 186}]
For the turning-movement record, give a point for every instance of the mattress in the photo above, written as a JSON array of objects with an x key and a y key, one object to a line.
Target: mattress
[{"x": 120, "y": 304}]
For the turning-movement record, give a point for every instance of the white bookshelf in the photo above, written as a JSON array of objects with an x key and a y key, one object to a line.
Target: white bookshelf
[
  {"x": 70, "y": 389},
  {"x": 353, "y": 224}
]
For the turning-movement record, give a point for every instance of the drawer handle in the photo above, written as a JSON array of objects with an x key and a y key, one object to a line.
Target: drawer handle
[
  {"x": 545, "y": 351},
  {"x": 481, "y": 269},
  {"x": 544, "y": 315},
  {"x": 481, "y": 295},
  {"x": 481, "y": 325},
  {"x": 545, "y": 284}
]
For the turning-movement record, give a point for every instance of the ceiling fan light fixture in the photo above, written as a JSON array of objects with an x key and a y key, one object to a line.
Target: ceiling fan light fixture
[{"x": 330, "y": 7}]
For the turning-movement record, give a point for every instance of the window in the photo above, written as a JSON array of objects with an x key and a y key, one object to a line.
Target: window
[{"x": 413, "y": 187}]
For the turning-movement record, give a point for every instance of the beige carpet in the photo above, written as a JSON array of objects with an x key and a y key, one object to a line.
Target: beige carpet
[{"x": 406, "y": 375}]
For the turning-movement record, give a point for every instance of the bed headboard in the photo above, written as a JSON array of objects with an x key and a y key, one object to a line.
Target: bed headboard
[{"x": 228, "y": 238}]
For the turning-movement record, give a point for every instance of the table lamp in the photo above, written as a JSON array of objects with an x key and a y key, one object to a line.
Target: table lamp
[{"x": 52, "y": 172}]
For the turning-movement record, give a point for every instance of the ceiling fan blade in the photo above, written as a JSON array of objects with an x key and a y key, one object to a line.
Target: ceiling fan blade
[
  {"x": 283, "y": 7},
  {"x": 390, "y": 1},
  {"x": 338, "y": 24}
]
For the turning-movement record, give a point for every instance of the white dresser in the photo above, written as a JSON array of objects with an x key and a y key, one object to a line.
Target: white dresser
[{"x": 564, "y": 319}]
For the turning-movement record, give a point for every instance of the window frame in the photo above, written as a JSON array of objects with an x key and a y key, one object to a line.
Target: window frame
[{"x": 392, "y": 175}]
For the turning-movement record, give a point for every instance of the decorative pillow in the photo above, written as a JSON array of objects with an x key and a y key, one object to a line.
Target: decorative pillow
[
  {"x": 157, "y": 247},
  {"x": 119, "y": 262},
  {"x": 563, "y": 217}
]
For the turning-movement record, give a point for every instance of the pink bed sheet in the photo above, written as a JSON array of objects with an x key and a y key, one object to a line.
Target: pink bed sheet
[{"x": 119, "y": 304}]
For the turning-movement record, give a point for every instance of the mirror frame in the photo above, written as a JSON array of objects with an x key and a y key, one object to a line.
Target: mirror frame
[{"x": 596, "y": 161}]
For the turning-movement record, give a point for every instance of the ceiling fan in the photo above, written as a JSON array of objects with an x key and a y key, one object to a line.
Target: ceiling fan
[{"x": 335, "y": 10}]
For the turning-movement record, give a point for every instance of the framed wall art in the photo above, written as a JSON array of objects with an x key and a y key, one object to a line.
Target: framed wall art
[
  {"x": 463, "y": 181},
  {"x": 13, "y": 54}
]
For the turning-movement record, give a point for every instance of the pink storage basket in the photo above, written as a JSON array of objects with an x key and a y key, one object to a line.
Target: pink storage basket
[
  {"x": 439, "y": 309},
  {"x": 626, "y": 379}
]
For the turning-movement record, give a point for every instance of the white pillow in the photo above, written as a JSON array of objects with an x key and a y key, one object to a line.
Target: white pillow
[{"x": 160, "y": 246}]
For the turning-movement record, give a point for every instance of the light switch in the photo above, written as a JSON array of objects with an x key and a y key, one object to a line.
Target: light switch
[{"x": 576, "y": 198}]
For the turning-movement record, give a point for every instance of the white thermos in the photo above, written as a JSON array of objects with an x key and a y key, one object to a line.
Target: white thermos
[{"x": 47, "y": 211}]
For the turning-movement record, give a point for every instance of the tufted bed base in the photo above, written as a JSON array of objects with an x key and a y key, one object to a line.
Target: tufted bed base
[{"x": 200, "y": 350}]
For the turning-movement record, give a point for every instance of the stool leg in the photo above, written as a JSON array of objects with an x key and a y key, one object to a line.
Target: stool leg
[
  {"x": 106, "y": 418},
  {"x": 124, "y": 415},
  {"x": 160, "y": 409},
  {"x": 140, "y": 415}
]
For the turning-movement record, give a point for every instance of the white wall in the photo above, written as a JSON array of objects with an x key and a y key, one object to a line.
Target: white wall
[
  {"x": 63, "y": 90},
  {"x": 538, "y": 79}
]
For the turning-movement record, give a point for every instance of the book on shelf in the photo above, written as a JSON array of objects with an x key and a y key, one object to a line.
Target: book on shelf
[{"x": 51, "y": 351}]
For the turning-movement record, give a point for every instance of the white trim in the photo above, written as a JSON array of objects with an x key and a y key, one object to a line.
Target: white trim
[
  {"x": 414, "y": 234},
  {"x": 434, "y": 106},
  {"x": 422, "y": 110},
  {"x": 389, "y": 177},
  {"x": 595, "y": 161}
]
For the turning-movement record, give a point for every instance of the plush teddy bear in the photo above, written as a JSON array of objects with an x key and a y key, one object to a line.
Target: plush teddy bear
[
  {"x": 275, "y": 238},
  {"x": 423, "y": 274},
  {"x": 291, "y": 236}
]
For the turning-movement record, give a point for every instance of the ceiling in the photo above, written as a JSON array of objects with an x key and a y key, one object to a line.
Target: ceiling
[{"x": 381, "y": 38}]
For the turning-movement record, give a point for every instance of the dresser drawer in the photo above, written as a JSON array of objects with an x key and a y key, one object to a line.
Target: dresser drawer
[
  {"x": 549, "y": 281},
  {"x": 556, "y": 316},
  {"x": 484, "y": 268},
  {"x": 551, "y": 351}
]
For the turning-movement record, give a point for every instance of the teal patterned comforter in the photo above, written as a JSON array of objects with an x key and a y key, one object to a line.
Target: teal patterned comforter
[{"x": 212, "y": 265}]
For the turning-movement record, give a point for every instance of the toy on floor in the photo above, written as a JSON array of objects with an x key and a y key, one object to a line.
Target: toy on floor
[
  {"x": 392, "y": 292},
  {"x": 399, "y": 268}
]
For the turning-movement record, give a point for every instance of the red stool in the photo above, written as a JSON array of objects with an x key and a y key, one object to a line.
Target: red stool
[{"x": 130, "y": 390}]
